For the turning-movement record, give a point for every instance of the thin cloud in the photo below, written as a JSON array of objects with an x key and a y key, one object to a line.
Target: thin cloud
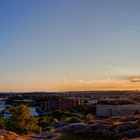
[
  {"x": 135, "y": 80},
  {"x": 66, "y": 80},
  {"x": 123, "y": 13},
  {"x": 98, "y": 81},
  {"x": 85, "y": 81},
  {"x": 119, "y": 80}
]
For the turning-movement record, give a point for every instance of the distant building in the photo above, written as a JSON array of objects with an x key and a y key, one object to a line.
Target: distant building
[
  {"x": 54, "y": 104},
  {"x": 32, "y": 112},
  {"x": 25, "y": 101},
  {"x": 6, "y": 114},
  {"x": 90, "y": 101},
  {"x": 116, "y": 108},
  {"x": 2, "y": 105}
]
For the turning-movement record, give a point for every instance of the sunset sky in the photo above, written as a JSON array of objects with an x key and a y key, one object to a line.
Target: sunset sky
[{"x": 62, "y": 45}]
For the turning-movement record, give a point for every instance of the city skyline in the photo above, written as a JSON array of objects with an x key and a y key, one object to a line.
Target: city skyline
[{"x": 52, "y": 45}]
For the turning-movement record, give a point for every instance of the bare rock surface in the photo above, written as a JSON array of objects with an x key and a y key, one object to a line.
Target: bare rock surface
[{"x": 8, "y": 135}]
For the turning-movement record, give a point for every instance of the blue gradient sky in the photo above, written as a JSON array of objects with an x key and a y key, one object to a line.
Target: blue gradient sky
[{"x": 56, "y": 45}]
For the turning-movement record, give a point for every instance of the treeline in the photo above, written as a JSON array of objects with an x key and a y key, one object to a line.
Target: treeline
[{"x": 23, "y": 123}]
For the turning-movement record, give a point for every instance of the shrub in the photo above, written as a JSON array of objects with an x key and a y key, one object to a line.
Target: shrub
[
  {"x": 43, "y": 121},
  {"x": 75, "y": 120},
  {"x": 49, "y": 128},
  {"x": 88, "y": 117},
  {"x": 2, "y": 123},
  {"x": 21, "y": 122}
]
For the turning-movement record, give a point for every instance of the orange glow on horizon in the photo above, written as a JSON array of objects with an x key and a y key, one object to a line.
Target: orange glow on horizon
[{"x": 78, "y": 85}]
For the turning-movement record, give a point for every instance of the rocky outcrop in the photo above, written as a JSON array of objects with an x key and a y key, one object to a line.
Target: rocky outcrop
[
  {"x": 49, "y": 135},
  {"x": 8, "y": 135},
  {"x": 73, "y": 128},
  {"x": 112, "y": 128},
  {"x": 119, "y": 128}
]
